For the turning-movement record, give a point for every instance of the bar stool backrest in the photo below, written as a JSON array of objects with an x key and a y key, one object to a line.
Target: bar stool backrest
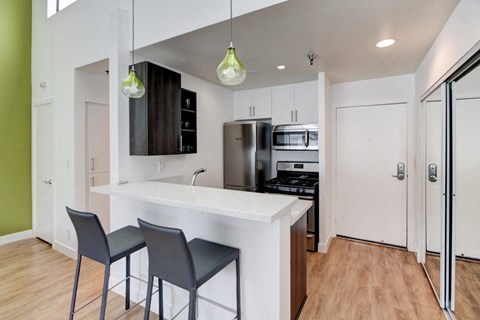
[
  {"x": 169, "y": 257},
  {"x": 92, "y": 241}
]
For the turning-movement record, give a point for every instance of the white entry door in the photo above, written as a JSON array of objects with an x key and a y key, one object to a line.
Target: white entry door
[
  {"x": 371, "y": 146},
  {"x": 433, "y": 182},
  {"x": 44, "y": 168},
  {"x": 98, "y": 159}
]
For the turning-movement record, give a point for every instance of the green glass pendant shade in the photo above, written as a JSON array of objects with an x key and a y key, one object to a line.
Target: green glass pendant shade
[
  {"x": 231, "y": 71},
  {"x": 132, "y": 87}
]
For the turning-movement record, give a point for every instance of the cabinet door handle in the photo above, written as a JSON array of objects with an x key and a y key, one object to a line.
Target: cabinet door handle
[
  {"x": 296, "y": 115},
  {"x": 180, "y": 143},
  {"x": 250, "y": 112},
  {"x": 254, "y": 111},
  {"x": 92, "y": 181},
  {"x": 291, "y": 115},
  {"x": 92, "y": 164}
]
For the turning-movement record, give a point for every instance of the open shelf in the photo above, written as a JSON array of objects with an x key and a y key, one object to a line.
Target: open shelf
[{"x": 189, "y": 121}]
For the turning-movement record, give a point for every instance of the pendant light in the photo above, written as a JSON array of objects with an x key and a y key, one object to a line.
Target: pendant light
[
  {"x": 132, "y": 87},
  {"x": 231, "y": 71}
]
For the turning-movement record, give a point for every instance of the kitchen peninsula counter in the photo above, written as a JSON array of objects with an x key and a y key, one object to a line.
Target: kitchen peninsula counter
[
  {"x": 230, "y": 203},
  {"x": 257, "y": 224}
]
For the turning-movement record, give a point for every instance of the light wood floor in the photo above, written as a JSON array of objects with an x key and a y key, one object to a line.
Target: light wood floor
[
  {"x": 467, "y": 286},
  {"x": 36, "y": 283},
  {"x": 362, "y": 281},
  {"x": 353, "y": 281}
]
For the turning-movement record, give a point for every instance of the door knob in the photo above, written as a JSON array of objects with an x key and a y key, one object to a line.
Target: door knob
[
  {"x": 47, "y": 181},
  {"x": 432, "y": 172},
  {"x": 400, "y": 171}
]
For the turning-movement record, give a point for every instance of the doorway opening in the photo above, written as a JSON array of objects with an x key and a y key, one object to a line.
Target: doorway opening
[{"x": 92, "y": 139}]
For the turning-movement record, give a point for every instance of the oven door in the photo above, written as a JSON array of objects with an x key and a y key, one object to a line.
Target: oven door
[
  {"x": 311, "y": 223},
  {"x": 303, "y": 137}
]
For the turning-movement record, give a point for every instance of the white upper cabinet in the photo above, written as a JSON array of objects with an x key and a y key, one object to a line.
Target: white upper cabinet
[
  {"x": 253, "y": 104},
  {"x": 295, "y": 103},
  {"x": 283, "y": 104},
  {"x": 242, "y": 101},
  {"x": 306, "y": 102}
]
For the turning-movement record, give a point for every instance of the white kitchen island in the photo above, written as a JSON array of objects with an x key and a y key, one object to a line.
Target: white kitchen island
[{"x": 257, "y": 224}]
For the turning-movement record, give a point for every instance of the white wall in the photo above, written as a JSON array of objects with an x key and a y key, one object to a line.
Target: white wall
[
  {"x": 458, "y": 36},
  {"x": 326, "y": 213},
  {"x": 399, "y": 89},
  {"x": 88, "y": 31}
]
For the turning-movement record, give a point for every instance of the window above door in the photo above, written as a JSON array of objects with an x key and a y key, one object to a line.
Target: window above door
[{"x": 55, "y": 6}]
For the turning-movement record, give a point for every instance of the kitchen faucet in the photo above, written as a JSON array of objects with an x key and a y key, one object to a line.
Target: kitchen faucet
[{"x": 195, "y": 174}]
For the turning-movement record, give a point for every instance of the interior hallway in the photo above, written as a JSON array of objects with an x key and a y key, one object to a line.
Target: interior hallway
[{"x": 353, "y": 281}]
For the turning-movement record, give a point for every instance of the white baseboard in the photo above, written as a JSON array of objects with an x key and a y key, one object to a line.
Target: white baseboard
[
  {"x": 323, "y": 247},
  {"x": 417, "y": 254},
  {"x": 27, "y": 234},
  {"x": 64, "y": 249}
]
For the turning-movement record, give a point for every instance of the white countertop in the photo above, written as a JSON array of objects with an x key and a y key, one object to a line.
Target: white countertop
[
  {"x": 300, "y": 207},
  {"x": 238, "y": 204}
]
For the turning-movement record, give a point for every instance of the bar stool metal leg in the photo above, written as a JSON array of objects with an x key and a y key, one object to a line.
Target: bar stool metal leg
[
  {"x": 148, "y": 303},
  {"x": 192, "y": 305},
  {"x": 75, "y": 287},
  {"x": 239, "y": 310},
  {"x": 105, "y": 292},
  {"x": 160, "y": 299},
  {"x": 127, "y": 282}
]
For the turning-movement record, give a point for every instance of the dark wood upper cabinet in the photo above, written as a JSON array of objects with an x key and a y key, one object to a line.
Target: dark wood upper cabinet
[{"x": 155, "y": 119}]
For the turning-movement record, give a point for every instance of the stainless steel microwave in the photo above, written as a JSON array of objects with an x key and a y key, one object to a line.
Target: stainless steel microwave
[{"x": 295, "y": 137}]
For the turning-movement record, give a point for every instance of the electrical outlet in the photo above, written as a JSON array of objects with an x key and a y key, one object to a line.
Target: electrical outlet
[{"x": 161, "y": 166}]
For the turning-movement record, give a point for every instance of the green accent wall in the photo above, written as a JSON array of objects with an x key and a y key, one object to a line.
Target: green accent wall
[{"x": 15, "y": 116}]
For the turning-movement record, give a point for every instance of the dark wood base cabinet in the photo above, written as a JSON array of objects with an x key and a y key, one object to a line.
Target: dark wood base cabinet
[{"x": 298, "y": 266}]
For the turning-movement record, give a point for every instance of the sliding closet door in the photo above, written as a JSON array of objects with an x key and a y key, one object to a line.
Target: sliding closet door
[
  {"x": 465, "y": 290},
  {"x": 434, "y": 108}
]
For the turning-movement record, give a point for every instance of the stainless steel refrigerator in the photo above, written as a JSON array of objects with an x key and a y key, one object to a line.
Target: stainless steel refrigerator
[{"x": 246, "y": 155}]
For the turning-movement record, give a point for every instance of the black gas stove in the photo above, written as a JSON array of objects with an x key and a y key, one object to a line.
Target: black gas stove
[
  {"x": 299, "y": 179},
  {"x": 295, "y": 178}
]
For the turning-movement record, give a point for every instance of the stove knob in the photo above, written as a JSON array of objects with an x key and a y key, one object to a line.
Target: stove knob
[{"x": 299, "y": 190}]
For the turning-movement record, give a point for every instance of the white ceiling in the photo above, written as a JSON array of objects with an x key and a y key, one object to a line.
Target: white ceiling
[{"x": 342, "y": 33}]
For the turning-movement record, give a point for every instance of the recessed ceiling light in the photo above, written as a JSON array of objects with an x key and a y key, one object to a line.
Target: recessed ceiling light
[
  {"x": 385, "y": 43},
  {"x": 281, "y": 67}
]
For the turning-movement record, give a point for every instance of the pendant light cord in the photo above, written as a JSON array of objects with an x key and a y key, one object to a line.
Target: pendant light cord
[
  {"x": 231, "y": 24},
  {"x": 133, "y": 35}
]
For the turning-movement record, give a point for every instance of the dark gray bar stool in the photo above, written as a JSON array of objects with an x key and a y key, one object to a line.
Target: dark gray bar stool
[
  {"x": 186, "y": 265},
  {"x": 103, "y": 248}
]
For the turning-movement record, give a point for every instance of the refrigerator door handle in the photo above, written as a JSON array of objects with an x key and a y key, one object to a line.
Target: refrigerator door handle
[{"x": 256, "y": 167}]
